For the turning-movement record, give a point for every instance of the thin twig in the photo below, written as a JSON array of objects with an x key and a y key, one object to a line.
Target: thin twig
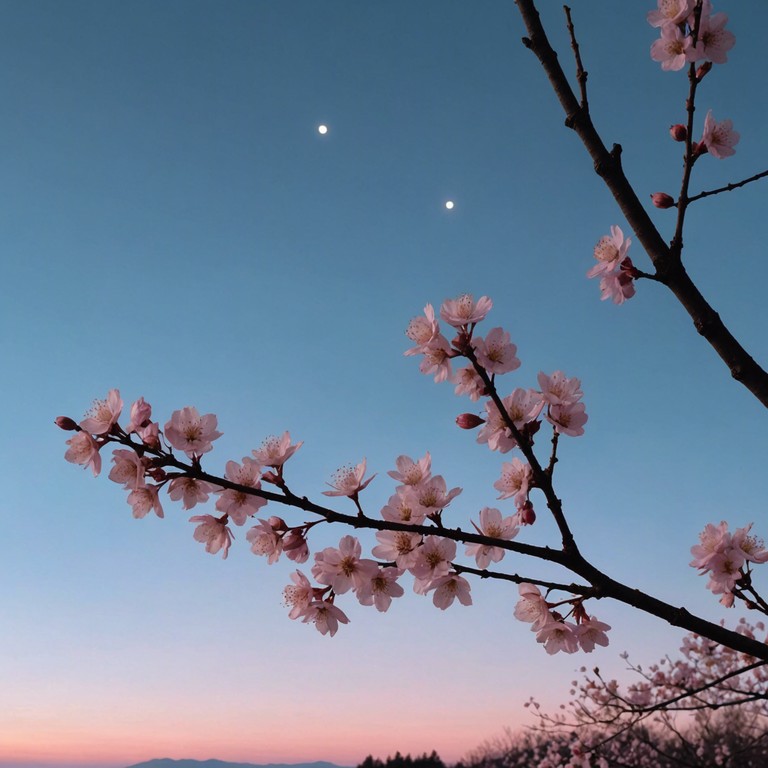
[
  {"x": 581, "y": 73},
  {"x": 728, "y": 187}
]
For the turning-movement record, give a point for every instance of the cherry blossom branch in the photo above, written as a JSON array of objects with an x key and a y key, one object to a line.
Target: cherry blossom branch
[
  {"x": 602, "y": 585},
  {"x": 542, "y": 478},
  {"x": 668, "y": 264},
  {"x": 86, "y": 451},
  {"x": 727, "y": 187}
]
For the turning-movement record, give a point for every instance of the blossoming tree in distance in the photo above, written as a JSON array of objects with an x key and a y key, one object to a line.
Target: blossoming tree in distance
[{"x": 167, "y": 458}]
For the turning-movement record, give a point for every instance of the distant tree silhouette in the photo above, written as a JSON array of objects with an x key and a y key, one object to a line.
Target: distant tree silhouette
[{"x": 399, "y": 761}]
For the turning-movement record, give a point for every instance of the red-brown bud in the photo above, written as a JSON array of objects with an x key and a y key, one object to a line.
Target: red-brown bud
[
  {"x": 469, "y": 420},
  {"x": 527, "y": 515},
  {"x": 64, "y": 422},
  {"x": 662, "y": 200},
  {"x": 678, "y": 132}
]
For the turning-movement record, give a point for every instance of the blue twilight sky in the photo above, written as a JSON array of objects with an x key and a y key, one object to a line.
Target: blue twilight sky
[{"x": 173, "y": 225}]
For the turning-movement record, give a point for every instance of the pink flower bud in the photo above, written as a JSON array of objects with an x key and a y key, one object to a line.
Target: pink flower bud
[
  {"x": 67, "y": 424},
  {"x": 662, "y": 200},
  {"x": 277, "y": 523},
  {"x": 678, "y": 132},
  {"x": 469, "y": 420}
]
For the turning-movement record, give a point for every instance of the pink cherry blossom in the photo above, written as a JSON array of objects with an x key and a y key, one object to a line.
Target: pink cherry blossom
[
  {"x": 515, "y": 480},
  {"x": 422, "y": 330},
  {"x": 522, "y": 406},
  {"x": 714, "y": 41},
  {"x": 719, "y": 139},
  {"x": 150, "y": 434},
  {"x": 141, "y": 413},
  {"x": 342, "y": 568},
  {"x": 404, "y": 507},
  {"x": 449, "y": 588},
  {"x": 83, "y": 449},
  {"x": 493, "y": 526},
  {"x": 713, "y": 539},
  {"x": 616, "y": 286},
  {"x": 381, "y": 588},
  {"x": 212, "y": 532},
  {"x": 591, "y": 633},
  {"x": 610, "y": 251},
  {"x": 144, "y": 500},
  {"x": 464, "y": 310},
  {"x": 437, "y": 359},
  {"x": 558, "y": 636},
  {"x": 495, "y": 352},
  {"x": 410, "y": 472},
  {"x": 348, "y": 481},
  {"x": 558, "y": 389},
  {"x": 238, "y": 504},
  {"x": 295, "y": 546},
  {"x": 103, "y": 414},
  {"x": 670, "y": 12},
  {"x": 190, "y": 432},
  {"x": 299, "y": 595},
  {"x": 468, "y": 382},
  {"x": 325, "y": 616},
  {"x": 434, "y": 560},
  {"x": 265, "y": 541},
  {"x": 751, "y": 547},
  {"x": 433, "y": 495},
  {"x": 275, "y": 451},
  {"x": 129, "y": 469},
  {"x": 532, "y": 608},
  {"x": 190, "y": 490},
  {"x": 671, "y": 49},
  {"x": 568, "y": 419},
  {"x": 400, "y": 546}
]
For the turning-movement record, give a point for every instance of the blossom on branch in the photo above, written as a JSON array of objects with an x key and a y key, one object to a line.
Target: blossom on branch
[
  {"x": 495, "y": 352},
  {"x": 83, "y": 449},
  {"x": 671, "y": 50},
  {"x": 410, "y": 472},
  {"x": 464, "y": 310},
  {"x": 275, "y": 451},
  {"x": 670, "y": 12},
  {"x": 190, "y": 491},
  {"x": 214, "y": 533},
  {"x": 348, "y": 481},
  {"x": 449, "y": 588},
  {"x": 719, "y": 139},
  {"x": 103, "y": 414},
  {"x": 493, "y": 526},
  {"x": 190, "y": 432}
]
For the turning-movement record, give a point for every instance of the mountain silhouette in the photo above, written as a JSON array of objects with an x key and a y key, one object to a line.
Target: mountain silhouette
[{"x": 166, "y": 762}]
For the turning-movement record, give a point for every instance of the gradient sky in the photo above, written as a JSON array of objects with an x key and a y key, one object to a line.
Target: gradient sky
[{"x": 174, "y": 226}]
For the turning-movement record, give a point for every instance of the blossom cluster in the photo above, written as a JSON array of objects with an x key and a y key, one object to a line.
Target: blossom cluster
[
  {"x": 413, "y": 540},
  {"x": 725, "y": 558},
  {"x": 682, "y": 40},
  {"x": 597, "y": 727},
  {"x": 494, "y": 354},
  {"x": 614, "y": 267},
  {"x": 553, "y": 630}
]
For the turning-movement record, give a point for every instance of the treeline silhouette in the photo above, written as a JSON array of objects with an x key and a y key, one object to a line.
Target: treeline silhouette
[{"x": 399, "y": 761}]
